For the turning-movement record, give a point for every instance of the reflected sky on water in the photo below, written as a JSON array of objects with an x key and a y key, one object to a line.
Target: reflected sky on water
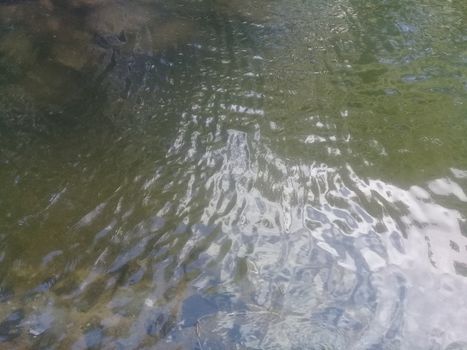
[{"x": 233, "y": 175}]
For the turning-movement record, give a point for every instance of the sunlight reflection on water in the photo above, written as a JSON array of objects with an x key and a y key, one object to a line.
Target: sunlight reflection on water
[{"x": 233, "y": 176}]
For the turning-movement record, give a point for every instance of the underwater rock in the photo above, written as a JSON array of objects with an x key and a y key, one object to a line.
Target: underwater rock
[
  {"x": 45, "y": 285},
  {"x": 10, "y": 326},
  {"x": 70, "y": 56},
  {"x": 41, "y": 322},
  {"x": 109, "y": 41},
  {"x": 117, "y": 17},
  {"x": 53, "y": 85},
  {"x": 17, "y": 48},
  {"x": 45, "y": 341}
]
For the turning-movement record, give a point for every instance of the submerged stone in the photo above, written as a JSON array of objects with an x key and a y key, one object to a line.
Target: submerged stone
[
  {"x": 10, "y": 326},
  {"x": 41, "y": 322},
  {"x": 117, "y": 17},
  {"x": 45, "y": 285},
  {"x": 70, "y": 56},
  {"x": 17, "y": 47}
]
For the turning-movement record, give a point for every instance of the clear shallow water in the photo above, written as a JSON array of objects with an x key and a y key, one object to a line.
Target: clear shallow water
[{"x": 233, "y": 175}]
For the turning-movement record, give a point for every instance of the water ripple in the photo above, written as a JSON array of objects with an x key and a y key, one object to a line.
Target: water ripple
[{"x": 257, "y": 176}]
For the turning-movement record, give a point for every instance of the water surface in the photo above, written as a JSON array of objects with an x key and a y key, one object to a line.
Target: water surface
[{"x": 233, "y": 174}]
